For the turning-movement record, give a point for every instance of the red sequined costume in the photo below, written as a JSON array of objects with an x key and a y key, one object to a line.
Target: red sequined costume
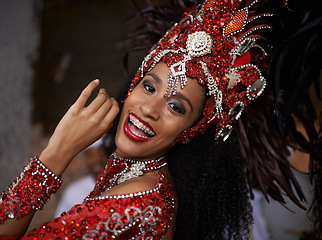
[{"x": 139, "y": 215}]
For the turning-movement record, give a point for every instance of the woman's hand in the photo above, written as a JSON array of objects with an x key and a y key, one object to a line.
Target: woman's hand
[{"x": 80, "y": 127}]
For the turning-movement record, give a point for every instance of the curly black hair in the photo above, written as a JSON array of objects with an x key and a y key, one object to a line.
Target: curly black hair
[{"x": 209, "y": 179}]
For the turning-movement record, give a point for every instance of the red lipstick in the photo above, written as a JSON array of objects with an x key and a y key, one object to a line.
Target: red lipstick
[{"x": 131, "y": 134}]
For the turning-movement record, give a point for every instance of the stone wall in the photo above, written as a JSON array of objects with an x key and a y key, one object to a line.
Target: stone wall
[{"x": 18, "y": 31}]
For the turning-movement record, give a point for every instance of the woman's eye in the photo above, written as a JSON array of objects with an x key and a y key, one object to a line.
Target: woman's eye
[
  {"x": 176, "y": 108},
  {"x": 149, "y": 87}
]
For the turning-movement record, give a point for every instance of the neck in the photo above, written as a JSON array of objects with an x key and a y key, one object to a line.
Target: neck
[
  {"x": 120, "y": 154},
  {"x": 114, "y": 156}
]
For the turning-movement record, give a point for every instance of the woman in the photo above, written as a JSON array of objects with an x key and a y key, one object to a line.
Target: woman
[{"x": 167, "y": 178}]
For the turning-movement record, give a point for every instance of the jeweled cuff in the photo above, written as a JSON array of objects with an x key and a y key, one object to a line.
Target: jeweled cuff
[{"x": 30, "y": 191}]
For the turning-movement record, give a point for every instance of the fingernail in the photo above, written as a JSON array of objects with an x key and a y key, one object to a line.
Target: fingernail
[
  {"x": 103, "y": 90},
  {"x": 97, "y": 81}
]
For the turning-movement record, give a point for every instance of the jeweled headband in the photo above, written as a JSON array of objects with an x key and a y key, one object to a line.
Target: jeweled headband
[{"x": 217, "y": 43}]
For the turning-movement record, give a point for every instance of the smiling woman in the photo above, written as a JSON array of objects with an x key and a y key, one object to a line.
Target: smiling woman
[
  {"x": 177, "y": 171},
  {"x": 150, "y": 122}
]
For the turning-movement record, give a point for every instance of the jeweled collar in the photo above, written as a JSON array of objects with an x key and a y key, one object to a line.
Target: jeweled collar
[
  {"x": 128, "y": 168},
  {"x": 119, "y": 170}
]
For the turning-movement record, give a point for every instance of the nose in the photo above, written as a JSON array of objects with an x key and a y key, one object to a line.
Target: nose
[{"x": 151, "y": 108}]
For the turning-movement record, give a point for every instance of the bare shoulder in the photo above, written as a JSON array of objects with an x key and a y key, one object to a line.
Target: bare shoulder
[{"x": 143, "y": 183}]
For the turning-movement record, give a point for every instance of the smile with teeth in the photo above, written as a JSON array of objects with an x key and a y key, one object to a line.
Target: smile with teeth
[{"x": 139, "y": 125}]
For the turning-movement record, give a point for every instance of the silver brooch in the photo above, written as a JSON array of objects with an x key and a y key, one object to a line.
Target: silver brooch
[
  {"x": 135, "y": 171},
  {"x": 199, "y": 43}
]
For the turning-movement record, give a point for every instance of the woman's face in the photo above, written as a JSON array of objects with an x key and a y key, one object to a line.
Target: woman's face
[{"x": 150, "y": 122}]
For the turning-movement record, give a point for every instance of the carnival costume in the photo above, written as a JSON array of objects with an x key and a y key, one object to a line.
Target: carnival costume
[
  {"x": 222, "y": 44},
  {"x": 227, "y": 46},
  {"x": 282, "y": 40},
  {"x": 138, "y": 215}
]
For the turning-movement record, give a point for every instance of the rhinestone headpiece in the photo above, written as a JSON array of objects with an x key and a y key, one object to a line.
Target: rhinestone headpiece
[{"x": 217, "y": 43}]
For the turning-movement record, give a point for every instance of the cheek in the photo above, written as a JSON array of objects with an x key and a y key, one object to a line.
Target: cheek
[
  {"x": 133, "y": 99},
  {"x": 120, "y": 123},
  {"x": 175, "y": 128}
]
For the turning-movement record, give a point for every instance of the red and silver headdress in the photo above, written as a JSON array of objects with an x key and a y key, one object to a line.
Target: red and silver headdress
[
  {"x": 221, "y": 43},
  {"x": 217, "y": 43}
]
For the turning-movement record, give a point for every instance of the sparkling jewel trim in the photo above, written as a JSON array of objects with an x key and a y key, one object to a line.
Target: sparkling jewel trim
[
  {"x": 147, "y": 57},
  {"x": 236, "y": 111},
  {"x": 259, "y": 16},
  {"x": 30, "y": 191},
  {"x": 141, "y": 215},
  {"x": 116, "y": 224},
  {"x": 135, "y": 171},
  {"x": 256, "y": 89},
  {"x": 177, "y": 73},
  {"x": 251, "y": 31},
  {"x": 213, "y": 90},
  {"x": 261, "y": 48},
  {"x": 244, "y": 46},
  {"x": 145, "y": 219},
  {"x": 237, "y": 23},
  {"x": 224, "y": 132},
  {"x": 253, "y": 3},
  {"x": 137, "y": 168},
  {"x": 160, "y": 55},
  {"x": 130, "y": 195},
  {"x": 150, "y": 165},
  {"x": 287, "y": 6},
  {"x": 211, "y": 83},
  {"x": 127, "y": 169},
  {"x": 199, "y": 44}
]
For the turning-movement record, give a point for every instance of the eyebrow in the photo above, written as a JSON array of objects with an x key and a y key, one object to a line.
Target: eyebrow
[
  {"x": 178, "y": 94},
  {"x": 156, "y": 78}
]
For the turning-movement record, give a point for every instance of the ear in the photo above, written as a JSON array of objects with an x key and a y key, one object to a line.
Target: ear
[
  {"x": 184, "y": 137},
  {"x": 186, "y": 141}
]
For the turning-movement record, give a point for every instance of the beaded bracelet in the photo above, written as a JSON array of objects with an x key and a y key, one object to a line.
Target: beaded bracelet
[{"x": 30, "y": 191}]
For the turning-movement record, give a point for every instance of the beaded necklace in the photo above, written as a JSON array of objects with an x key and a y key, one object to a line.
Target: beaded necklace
[{"x": 119, "y": 170}]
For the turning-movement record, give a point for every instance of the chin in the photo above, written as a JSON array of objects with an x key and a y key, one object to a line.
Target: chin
[{"x": 135, "y": 150}]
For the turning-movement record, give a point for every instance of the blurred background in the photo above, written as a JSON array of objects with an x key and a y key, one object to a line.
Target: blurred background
[{"x": 49, "y": 51}]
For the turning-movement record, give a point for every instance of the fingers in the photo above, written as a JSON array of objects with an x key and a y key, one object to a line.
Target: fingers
[
  {"x": 86, "y": 93},
  {"x": 102, "y": 107},
  {"x": 114, "y": 110},
  {"x": 101, "y": 98},
  {"x": 102, "y": 110},
  {"x": 108, "y": 112}
]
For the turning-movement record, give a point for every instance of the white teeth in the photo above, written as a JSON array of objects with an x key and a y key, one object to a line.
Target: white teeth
[{"x": 140, "y": 125}]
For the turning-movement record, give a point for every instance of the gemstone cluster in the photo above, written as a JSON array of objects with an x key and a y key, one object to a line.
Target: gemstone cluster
[{"x": 30, "y": 191}]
